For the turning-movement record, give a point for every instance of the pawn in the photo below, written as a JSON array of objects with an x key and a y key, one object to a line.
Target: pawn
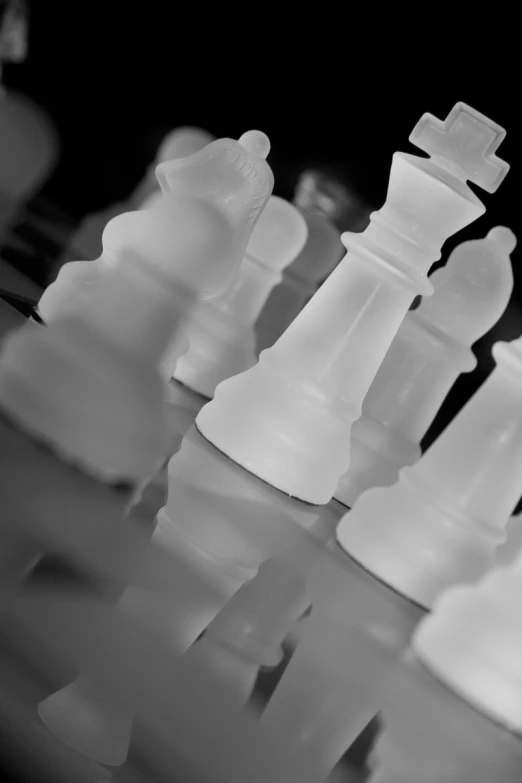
[
  {"x": 221, "y": 336},
  {"x": 152, "y": 233},
  {"x": 432, "y": 346},
  {"x": 246, "y": 634},
  {"x": 86, "y": 243},
  {"x": 179, "y": 143},
  {"x": 88, "y": 388}
]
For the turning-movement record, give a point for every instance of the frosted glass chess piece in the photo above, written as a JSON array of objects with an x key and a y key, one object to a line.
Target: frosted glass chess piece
[
  {"x": 288, "y": 419},
  {"x": 403, "y": 545},
  {"x": 233, "y": 175},
  {"x": 243, "y": 191},
  {"x": 221, "y": 337},
  {"x": 154, "y": 233},
  {"x": 430, "y": 350},
  {"x": 201, "y": 729},
  {"x": 246, "y": 634},
  {"x": 179, "y": 143},
  {"x": 320, "y": 255},
  {"x": 86, "y": 243},
  {"x": 452, "y": 712},
  {"x": 88, "y": 388}
]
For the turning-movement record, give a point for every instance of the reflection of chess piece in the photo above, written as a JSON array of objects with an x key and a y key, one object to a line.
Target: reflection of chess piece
[
  {"x": 88, "y": 385},
  {"x": 233, "y": 175},
  {"x": 245, "y": 635},
  {"x": 87, "y": 241},
  {"x": 288, "y": 419},
  {"x": 28, "y": 151}
]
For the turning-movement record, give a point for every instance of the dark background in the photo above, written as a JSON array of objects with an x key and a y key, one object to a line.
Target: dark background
[{"x": 116, "y": 77}]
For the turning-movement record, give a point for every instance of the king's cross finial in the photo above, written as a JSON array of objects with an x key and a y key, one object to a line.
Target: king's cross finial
[{"x": 466, "y": 139}]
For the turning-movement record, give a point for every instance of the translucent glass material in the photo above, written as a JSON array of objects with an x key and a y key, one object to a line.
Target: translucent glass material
[
  {"x": 104, "y": 361},
  {"x": 246, "y": 634},
  {"x": 233, "y": 175},
  {"x": 431, "y": 348},
  {"x": 86, "y": 242},
  {"x": 221, "y": 335},
  {"x": 433, "y": 735},
  {"x": 288, "y": 419},
  {"x": 441, "y": 523}
]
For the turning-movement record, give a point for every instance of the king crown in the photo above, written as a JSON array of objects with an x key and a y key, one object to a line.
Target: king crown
[{"x": 465, "y": 143}]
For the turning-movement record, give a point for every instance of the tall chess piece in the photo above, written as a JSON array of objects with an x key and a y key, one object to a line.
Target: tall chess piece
[
  {"x": 288, "y": 420},
  {"x": 400, "y": 547},
  {"x": 431, "y": 348},
  {"x": 245, "y": 635},
  {"x": 226, "y": 174}
]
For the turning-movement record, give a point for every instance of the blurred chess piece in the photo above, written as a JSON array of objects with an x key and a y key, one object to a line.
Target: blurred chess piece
[
  {"x": 328, "y": 207},
  {"x": 86, "y": 243}
]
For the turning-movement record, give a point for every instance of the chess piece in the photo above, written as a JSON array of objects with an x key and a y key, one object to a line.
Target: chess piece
[
  {"x": 437, "y": 527},
  {"x": 179, "y": 143},
  {"x": 244, "y": 187},
  {"x": 452, "y": 712},
  {"x": 221, "y": 336},
  {"x": 288, "y": 419},
  {"x": 322, "y": 252},
  {"x": 88, "y": 386},
  {"x": 245, "y": 635},
  {"x": 431, "y": 348},
  {"x": 86, "y": 243}
]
